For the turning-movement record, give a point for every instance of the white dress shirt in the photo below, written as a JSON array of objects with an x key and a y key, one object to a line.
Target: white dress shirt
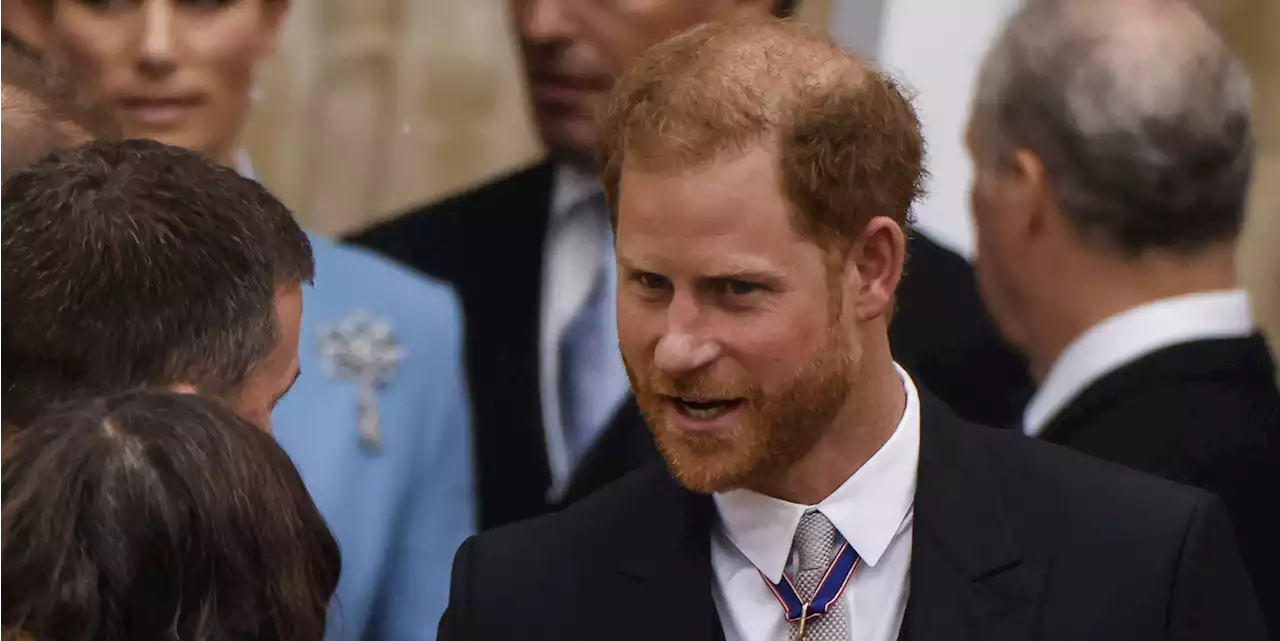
[
  {"x": 1130, "y": 335},
  {"x": 565, "y": 292},
  {"x": 873, "y": 511},
  {"x": 244, "y": 164}
]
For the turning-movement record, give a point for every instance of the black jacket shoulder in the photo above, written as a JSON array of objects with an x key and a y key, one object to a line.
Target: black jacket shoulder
[{"x": 435, "y": 238}]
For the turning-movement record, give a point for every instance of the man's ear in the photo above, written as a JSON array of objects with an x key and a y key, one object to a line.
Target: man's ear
[
  {"x": 1026, "y": 192},
  {"x": 877, "y": 258}
]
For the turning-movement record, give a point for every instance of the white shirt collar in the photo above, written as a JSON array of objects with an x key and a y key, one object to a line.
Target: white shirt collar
[
  {"x": 867, "y": 509},
  {"x": 571, "y": 186},
  {"x": 244, "y": 164},
  {"x": 1130, "y": 335}
]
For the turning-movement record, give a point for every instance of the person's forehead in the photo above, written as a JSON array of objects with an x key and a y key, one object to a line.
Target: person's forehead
[
  {"x": 742, "y": 224},
  {"x": 733, "y": 184}
]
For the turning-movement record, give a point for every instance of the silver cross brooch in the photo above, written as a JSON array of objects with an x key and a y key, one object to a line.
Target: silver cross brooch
[{"x": 362, "y": 348}]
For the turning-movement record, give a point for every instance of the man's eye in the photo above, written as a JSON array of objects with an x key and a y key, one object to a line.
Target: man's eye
[
  {"x": 652, "y": 281},
  {"x": 740, "y": 287}
]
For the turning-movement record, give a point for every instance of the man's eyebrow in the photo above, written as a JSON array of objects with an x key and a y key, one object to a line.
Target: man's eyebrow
[{"x": 747, "y": 273}]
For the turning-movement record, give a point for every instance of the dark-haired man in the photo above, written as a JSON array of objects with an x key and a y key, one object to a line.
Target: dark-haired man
[
  {"x": 531, "y": 256},
  {"x": 135, "y": 264}
]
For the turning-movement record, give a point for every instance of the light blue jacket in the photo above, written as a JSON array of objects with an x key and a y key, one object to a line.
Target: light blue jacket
[{"x": 400, "y": 512}]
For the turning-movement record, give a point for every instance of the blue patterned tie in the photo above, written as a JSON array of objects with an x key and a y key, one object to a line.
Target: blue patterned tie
[{"x": 588, "y": 349}]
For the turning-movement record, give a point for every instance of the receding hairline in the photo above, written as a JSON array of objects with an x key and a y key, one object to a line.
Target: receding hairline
[
  {"x": 756, "y": 57},
  {"x": 845, "y": 136}
]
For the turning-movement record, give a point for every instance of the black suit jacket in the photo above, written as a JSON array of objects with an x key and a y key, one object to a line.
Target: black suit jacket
[
  {"x": 488, "y": 243},
  {"x": 1014, "y": 540},
  {"x": 1204, "y": 413}
]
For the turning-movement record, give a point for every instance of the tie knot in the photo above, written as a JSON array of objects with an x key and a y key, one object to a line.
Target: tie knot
[
  {"x": 814, "y": 542},
  {"x": 583, "y": 227},
  {"x": 590, "y": 204}
]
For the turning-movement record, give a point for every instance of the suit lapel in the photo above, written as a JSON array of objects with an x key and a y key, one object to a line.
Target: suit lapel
[
  {"x": 969, "y": 580},
  {"x": 500, "y": 279},
  {"x": 666, "y": 568},
  {"x": 623, "y": 445},
  {"x": 509, "y": 270}
]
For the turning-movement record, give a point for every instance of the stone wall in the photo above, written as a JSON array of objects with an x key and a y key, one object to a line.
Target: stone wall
[{"x": 1253, "y": 27}]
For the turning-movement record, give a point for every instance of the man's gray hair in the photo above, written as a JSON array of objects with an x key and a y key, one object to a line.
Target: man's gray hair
[{"x": 1136, "y": 108}]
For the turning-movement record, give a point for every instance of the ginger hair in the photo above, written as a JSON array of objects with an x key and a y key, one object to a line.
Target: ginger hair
[{"x": 847, "y": 139}]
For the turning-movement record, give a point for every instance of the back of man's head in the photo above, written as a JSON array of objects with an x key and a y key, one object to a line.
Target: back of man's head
[
  {"x": 135, "y": 264},
  {"x": 42, "y": 109},
  {"x": 1138, "y": 112}
]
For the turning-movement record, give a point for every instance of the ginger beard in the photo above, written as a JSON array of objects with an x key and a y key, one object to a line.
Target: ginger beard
[{"x": 776, "y": 429}]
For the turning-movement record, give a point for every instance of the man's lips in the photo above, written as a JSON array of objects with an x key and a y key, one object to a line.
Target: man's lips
[
  {"x": 699, "y": 409},
  {"x": 565, "y": 91},
  {"x": 565, "y": 81},
  {"x": 562, "y": 97}
]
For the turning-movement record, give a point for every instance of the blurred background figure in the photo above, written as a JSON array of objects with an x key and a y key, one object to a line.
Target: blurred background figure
[
  {"x": 531, "y": 255},
  {"x": 20, "y": 25},
  {"x": 42, "y": 110},
  {"x": 1113, "y": 150},
  {"x": 378, "y": 421},
  {"x": 125, "y": 518}
]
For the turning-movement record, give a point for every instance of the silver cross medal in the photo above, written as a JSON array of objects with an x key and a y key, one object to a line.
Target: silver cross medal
[{"x": 363, "y": 349}]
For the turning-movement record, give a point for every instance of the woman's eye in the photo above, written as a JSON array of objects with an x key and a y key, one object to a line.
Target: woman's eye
[
  {"x": 102, "y": 5},
  {"x": 208, "y": 4}
]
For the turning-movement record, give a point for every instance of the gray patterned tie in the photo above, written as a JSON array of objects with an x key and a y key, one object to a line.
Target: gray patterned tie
[{"x": 815, "y": 546}]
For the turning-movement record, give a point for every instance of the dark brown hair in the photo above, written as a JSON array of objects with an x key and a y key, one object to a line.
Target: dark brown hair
[
  {"x": 848, "y": 140},
  {"x": 154, "y": 516},
  {"x": 132, "y": 264}
]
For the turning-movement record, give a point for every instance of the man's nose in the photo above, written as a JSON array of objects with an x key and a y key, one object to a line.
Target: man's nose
[
  {"x": 686, "y": 345},
  {"x": 542, "y": 21},
  {"x": 679, "y": 353}
]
